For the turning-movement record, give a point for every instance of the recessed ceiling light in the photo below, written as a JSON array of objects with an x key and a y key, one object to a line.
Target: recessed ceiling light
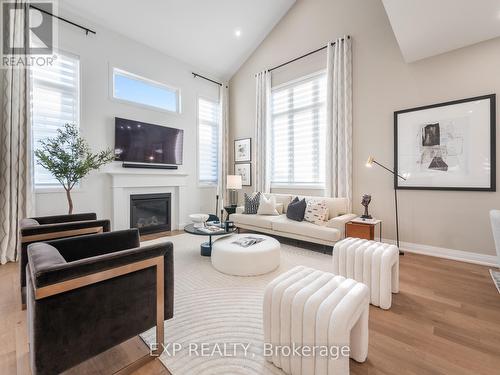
[{"x": 237, "y": 33}]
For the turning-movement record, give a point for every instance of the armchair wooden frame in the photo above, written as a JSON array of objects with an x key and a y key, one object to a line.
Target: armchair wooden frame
[
  {"x": 61, "y": 234},
  {"x": 79, "y": 282}
]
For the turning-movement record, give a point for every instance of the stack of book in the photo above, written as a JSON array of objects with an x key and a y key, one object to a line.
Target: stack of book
[{"x": 210, "y": 229}]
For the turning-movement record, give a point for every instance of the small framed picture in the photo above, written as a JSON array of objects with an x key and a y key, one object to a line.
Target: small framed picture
[
  {"x": 243, "y": 150},
  {"x": 245, "y": 171}
]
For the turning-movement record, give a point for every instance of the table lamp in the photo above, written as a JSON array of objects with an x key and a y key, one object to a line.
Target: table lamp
[{"x": 233, "y": 184}]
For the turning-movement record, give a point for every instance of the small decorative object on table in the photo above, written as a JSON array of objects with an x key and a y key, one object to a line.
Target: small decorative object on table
[
  {"x": 365, "y": 202},
  {"x": 199, "y": 220},
  {"x": 229, "y": 225},
  {"x": 209, "y": 229}
]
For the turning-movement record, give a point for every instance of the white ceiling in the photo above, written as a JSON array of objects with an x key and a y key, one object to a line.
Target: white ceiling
[
  {"x": 425, "y": 28},
  {"x": 199, "y": 32}
]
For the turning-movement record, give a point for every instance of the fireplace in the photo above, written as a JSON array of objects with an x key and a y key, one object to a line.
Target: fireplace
[{"x": 150, "y": 213}]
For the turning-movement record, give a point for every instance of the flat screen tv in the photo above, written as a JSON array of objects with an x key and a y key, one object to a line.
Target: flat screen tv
[{"x": 139, "y": 142}]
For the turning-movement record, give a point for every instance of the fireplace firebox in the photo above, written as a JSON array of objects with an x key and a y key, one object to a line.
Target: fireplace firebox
[{"x": 150, "y": 213}]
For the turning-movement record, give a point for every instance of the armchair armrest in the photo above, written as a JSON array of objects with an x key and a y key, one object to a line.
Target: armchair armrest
[
  {"x": 66, "y": 229},
  {"x": 240, "y": 209},
  {"x": 339, "y": 222},
  {"x": 76, "y": 248},
  {"x": 48, "y": 269},
  {"x": 65, "y": 218}
]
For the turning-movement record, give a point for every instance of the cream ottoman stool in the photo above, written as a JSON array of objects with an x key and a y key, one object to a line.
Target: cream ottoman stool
[
  {"x": 315, "y": 310},
  {"x": 375, "y": 264},
  {"x": 246, "y": 254}
]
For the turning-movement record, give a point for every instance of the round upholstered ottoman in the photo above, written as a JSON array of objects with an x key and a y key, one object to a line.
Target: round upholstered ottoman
[{"x": 246, "y": 254}]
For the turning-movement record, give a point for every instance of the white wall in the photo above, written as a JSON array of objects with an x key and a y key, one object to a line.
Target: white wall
[
  {"x": 97, "y": 53},
  {"x": 383, "y": 83}
]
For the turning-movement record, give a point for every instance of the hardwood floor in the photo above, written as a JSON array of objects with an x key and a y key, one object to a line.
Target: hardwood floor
[
  {"x": 445, "y": 320},
  {"x": 154, "y": 236}
]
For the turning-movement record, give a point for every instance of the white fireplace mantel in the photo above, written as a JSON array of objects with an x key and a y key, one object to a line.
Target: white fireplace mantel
[{"x": 128, "y": 182}]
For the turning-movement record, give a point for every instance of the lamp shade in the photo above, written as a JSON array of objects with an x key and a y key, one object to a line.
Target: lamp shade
[
  {"x": 233, "y": 181},
  {"x": 370, "y": 161}
]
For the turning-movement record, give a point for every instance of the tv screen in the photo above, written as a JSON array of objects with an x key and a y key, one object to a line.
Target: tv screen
[{"x": 147, "y": 143}]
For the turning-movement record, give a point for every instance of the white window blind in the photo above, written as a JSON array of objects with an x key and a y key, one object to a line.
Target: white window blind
[
  {"x": 55, "y": 101},
  {"x": 298, "y": 132},
  {"x": 208, "y": 141}
]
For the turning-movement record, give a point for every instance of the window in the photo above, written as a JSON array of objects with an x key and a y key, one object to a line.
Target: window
[
  {"x": 138, "y": 90},
  {"x": 55, "y": 101},
  {"x": 208, "y": 141},
  {"x": 298, "y": 132}
]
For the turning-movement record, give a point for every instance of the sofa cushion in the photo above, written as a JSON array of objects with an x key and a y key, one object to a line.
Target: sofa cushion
[
  {"x": 283, "y": 199},
  {"x": 304, "y": 228},
  {"x": 316, "y": 212},
  {"x": 336, "y": 206},
  {"x": 267, "y": 206},
  {"x": 261, "y": 221},
  {"x": 296, "y": 209},
  {"x": 251, "y": 204}
]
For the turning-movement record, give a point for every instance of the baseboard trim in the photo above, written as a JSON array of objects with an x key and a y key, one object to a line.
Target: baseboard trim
[{"x": 442, "y": 252}]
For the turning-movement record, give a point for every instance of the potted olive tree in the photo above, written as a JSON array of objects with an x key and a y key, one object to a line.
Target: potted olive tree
[{"x": 69, "y": 158}]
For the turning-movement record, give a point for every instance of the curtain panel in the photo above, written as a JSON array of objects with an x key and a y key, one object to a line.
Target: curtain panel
[
  {"x": 15, "y": 152},
  {"x": 339, "y": 119},
  {"x": 224, "y": 143},
  {"x": 262, "y": 123}
]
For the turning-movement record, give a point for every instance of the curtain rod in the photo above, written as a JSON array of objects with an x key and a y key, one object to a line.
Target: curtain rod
[
  {"x": 87, "y": 30},
  {"x": 301, "y": 57},
  {"x": 208, "y": 79}
]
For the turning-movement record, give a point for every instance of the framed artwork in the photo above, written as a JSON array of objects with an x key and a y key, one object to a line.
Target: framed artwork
[
  {"x": 243, "y": 150},
  {"x": 245, "y": 171},
  {"x": 447, "y": 146}
]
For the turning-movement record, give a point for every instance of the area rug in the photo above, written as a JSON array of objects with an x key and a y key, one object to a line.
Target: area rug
[{"x": 217, "y": 324}]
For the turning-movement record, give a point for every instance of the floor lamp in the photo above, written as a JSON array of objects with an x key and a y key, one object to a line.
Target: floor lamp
[{"x": 371, "y": 160}]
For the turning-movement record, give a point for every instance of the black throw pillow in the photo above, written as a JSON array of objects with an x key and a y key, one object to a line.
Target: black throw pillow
[
  {"x": 252, "y": 204},
  {"x": 296, "y": 209}
]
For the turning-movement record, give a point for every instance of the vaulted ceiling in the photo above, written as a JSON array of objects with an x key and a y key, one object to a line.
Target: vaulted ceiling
[
  {"x": 425, "y": 28},
  {"x": 215, "y": 36}
]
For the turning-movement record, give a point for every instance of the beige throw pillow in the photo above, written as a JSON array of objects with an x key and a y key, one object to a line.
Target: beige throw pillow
[
  {"x": 316, "y": 212},
  {"x": 267, "y": 206}
]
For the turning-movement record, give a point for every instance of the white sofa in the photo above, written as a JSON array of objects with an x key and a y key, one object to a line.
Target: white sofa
[{"x": 280, "y": 225}]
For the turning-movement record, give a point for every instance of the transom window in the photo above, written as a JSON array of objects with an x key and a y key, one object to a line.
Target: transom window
[
  {"x": 145, "y": 92},
  {"x": 208, "y": 141},
  {"x": 298, "y": 132},
  {"x": 55, "y": 101}
]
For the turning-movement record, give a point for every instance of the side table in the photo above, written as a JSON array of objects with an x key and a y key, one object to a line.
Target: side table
[{"x": 363, "y": 228}]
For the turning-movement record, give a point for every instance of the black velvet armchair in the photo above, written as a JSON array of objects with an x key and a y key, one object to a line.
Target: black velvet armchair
[
  {"x": 38, "y": 229},
  {"x": 87, "y": 294}
]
